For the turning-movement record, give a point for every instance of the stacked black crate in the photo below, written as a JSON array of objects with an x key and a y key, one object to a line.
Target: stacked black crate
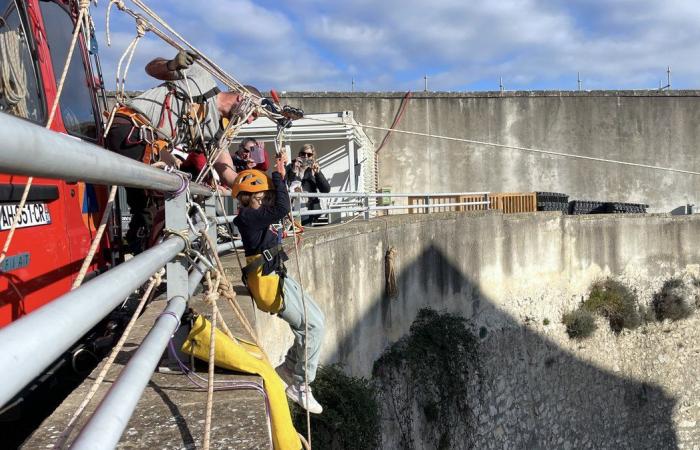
[
  {"x": 577, "y": 207},
  {"x": 552, "y": 201}
]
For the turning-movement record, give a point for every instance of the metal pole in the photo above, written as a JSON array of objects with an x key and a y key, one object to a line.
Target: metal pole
[
  {"x": 668, "y": 77},
  {"x": 176, "y": 269},
  {"x": 425, "y": 80},
  {"x": 351, "y": 164},
  {"x": 33, "y": 342},
  {"x": 105, "y": 427},
  {"x": 366, "y": 204},
  {"x": 28, "y": 149}
]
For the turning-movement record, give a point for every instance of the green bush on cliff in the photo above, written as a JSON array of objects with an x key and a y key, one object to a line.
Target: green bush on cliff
[
  {"x": 614, "y": 301},
  {"x": 350, "y": 418},
  {"x": 431, "y": 367},
  {"x": 579, "y": 323},
  {"x": 671, "y": 302}
]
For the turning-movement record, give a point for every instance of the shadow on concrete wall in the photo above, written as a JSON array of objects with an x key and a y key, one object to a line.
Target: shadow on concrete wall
[{"x": 536, "y": 394}]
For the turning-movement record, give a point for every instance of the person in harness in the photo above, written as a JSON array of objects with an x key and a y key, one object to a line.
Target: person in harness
[
  {"x": 265, "y": 201},
  {"x": 163, "y": 117}
]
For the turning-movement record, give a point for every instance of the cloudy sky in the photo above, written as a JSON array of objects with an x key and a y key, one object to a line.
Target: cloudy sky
[{"x": 459, "y": 44}]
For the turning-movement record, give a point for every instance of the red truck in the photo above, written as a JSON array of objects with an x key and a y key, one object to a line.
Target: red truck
[{"x": 59, "y": 219}]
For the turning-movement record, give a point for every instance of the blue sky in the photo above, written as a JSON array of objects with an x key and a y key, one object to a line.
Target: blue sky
[{"x": 390, "y": 45}]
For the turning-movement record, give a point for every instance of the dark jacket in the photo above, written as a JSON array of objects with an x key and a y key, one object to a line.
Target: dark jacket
[
  {"x": 310, "y": 182},
  {"x": 254, "y": 224}
]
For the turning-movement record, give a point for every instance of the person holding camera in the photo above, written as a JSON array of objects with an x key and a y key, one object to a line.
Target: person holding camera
[
  {"x": 304, "y": 170},
  {"x": 250, "y": 155}
]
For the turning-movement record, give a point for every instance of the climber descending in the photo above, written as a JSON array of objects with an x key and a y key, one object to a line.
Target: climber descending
[{"x": 265, "y": 202}]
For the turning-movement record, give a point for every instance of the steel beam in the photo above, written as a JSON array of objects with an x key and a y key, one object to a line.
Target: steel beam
[{"x": 28, "y": 149}]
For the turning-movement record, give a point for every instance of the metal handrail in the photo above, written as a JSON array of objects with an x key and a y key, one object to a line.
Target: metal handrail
[
  {"x": 28, "y": 149},
  {"x": 36, "y": 340},
  {"x": 380, "y": 195}
]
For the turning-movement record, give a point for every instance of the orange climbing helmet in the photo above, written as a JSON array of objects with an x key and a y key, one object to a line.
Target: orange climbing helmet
[{"x": 251, "y": 180}]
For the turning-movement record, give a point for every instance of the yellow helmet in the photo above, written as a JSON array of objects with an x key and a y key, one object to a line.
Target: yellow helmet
[{"x": 251, "y": 180}]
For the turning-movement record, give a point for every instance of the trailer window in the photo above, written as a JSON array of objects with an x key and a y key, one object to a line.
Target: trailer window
[
  {"x": 20, "y": 91},
  {"x": 77, "y": 98}
]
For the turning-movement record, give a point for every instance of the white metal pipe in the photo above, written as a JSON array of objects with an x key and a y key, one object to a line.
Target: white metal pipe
[
  {"x": 28, "y": 149},
  {"x": 105, "y": 427},
  {"x": 32, "y": 343},
  {"x": 379, "y": 195},
  {"x": 433, "y": 205},
  {"x": 221, "y": 220},
  {"x": 359, "y": 209}
]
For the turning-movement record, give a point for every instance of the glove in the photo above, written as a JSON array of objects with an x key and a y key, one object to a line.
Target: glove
[{"x": 182, "y": 60}]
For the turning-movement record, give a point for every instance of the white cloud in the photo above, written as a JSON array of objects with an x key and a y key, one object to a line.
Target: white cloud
[{"x": 317, "y": 45}]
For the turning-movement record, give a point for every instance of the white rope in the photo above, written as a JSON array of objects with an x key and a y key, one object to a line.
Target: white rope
[
  {"x": 278, "y": 146},
  {"x": 226, "y": 78},
  {"x": 211, "y": 297},
  {"x": 13, "y": 78},
  {"x": 141, "y": 28},
  {"x": 84, "y": 6},
  {"x": 514, "y": 147}
]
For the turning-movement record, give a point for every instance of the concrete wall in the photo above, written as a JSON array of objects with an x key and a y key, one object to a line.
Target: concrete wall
[
  {"x": 646, "y": 127},
  {"x": 507, "y": 273}
]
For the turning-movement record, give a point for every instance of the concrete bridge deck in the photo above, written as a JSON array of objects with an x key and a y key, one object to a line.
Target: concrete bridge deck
[{"x": 171, "y": 412}]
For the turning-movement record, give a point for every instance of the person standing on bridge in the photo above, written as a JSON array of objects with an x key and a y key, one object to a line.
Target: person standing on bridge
[
  {"x": 265, "y": 202},
  {"x": 306, "y": 172},
  {"x": 170, "y": 115}
]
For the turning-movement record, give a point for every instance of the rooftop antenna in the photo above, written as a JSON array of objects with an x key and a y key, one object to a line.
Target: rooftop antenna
[
  {"x": 425, "y": 83},
  {"x": 668, "y": 80},
  {"x": 578, "y": 80},
  {"x": 500, "y": 84}
]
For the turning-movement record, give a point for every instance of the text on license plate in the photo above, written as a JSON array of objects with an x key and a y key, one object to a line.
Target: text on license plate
[{"x": 32, "y": 214}]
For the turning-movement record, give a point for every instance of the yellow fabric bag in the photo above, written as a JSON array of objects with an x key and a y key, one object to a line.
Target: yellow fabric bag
[
  {"x": 265, "y": 289},
  {"x": 246, "y": 357}
]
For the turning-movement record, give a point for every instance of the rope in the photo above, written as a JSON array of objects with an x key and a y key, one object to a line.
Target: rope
[
  {"x": 155, "y": 281},
  {"x": 278, "y": 147},
  {"x": 211, "y": 297},
  {"x": 392, "y": 288},
  {"x": 225, "y": 77},
  {"x": 84, "y": 6},
  {"x": 141, "y": 29},
  {"x": 221, "y": 385},
  {"x": 230, "y": 295},
  {"x": 514, "y": 147},
  {"x": 96, "y": 240},
  {"x": 13, "y": 78}
]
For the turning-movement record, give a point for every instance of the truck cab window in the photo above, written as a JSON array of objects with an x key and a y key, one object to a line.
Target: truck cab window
[
  {"x": 77, "y": 100},
  {"x": 20, "y": 90}
]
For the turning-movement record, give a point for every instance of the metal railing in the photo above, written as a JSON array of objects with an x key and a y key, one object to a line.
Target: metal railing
[
  {"x": 365, "y": 203},
  {"x": 32, "y": 343}
]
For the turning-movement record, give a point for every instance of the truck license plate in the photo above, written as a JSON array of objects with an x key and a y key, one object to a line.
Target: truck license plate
[{"x": 32, "y": 214}]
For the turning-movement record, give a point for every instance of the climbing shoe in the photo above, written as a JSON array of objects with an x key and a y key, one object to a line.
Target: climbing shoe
[
  {"x": 299, "y": 395},
  {"x": 285, "y": 374}
]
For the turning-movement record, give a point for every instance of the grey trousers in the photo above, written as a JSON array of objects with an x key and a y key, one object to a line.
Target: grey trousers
[{"x": 293, "y": 314}]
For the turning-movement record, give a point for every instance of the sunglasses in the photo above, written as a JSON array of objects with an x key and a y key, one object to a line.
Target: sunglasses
[{"x": 306, "y": 154}]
